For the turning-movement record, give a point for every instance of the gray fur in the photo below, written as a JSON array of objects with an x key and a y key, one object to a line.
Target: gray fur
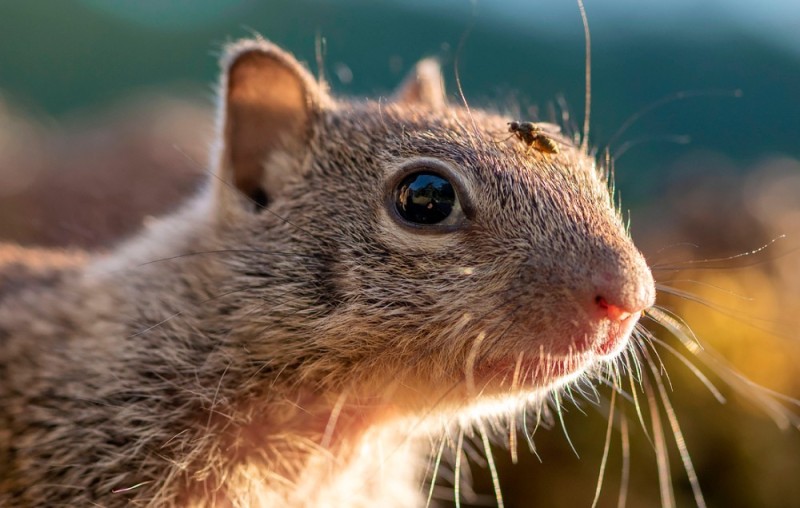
[{"x": 230, "y": 357}]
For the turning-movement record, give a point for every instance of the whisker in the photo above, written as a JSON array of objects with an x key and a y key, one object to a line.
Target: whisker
[
  {"x": 469, "y": 368},
  {"x": 492, "y": 467},
  {"x": 320, "y": 51},
  {"x": 588, "y": 391},
  {"x": 626, "y": 462},
  {"x": 669, "y": 284},
  {"x": 617, "y": 373},
  {"x": 680, "y": 442},
  {"x": 457, "y": 469},
  {"x": 692, "y": 367},
  {"x": 606, "y": 448},
  {"x": 216, "y": 394},
  {"x": 456, "y": 61},
  {"x": 231, "y": 251},
  {"x": 662, "y": 455},
  {"x": 625, "y": 147},
  {"x": 618, "y": 388},
  {"x": 678, "y": 244},
  {"x": 637, "y": 405},
  {"x": 675, "y": 325},
  {"x": 180, "y": 312},
  {"x": 568, "y": 389},
  {"x": 760, "y": 395},
  {"x": 663, "y": 370},
  {"x": 529, "y": 435},
  {"x": 731, "y": 313},
  {"x": 435, "y": 472},
  {"x": 587, "y": 39},
  {"x": 419, "y": 421},
  {"x": 637, "y": 366},
  {"x": 684, "y": 94},
  {"x": 559, "y": 412},
  {"x": 708, "y": 264},
  {"x": 686, "y": 295},
  {"x": 327, "y": 436}
]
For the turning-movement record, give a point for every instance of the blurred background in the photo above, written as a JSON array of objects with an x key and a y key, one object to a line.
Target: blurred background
[{"x": 106, "y": 117}]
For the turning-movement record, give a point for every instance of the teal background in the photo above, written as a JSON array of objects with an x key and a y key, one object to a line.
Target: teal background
[{"x": 63, "y": 57}]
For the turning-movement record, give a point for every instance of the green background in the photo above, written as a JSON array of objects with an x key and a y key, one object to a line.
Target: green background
[{"x": 62, "y": 57}]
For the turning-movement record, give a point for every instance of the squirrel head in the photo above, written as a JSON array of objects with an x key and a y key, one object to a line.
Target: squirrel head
[{"x": 406, "y": 247}]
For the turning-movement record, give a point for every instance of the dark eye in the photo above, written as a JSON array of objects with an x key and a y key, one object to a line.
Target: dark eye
[{"x": 426, "y": 198}]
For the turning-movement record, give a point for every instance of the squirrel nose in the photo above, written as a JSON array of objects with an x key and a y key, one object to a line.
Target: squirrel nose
[
  {"x": 620, "y": 297},
  {"x": 611, "y": 311}
]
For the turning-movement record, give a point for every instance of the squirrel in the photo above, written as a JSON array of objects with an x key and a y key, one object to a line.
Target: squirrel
[{"x": 356, "y": 277}]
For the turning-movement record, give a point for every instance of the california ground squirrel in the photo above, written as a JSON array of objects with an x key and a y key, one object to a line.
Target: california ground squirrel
[{"x": 357, "y": 276}]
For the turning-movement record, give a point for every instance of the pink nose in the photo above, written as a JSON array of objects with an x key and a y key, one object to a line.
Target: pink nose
[
  {"x": 612, "y": 312},
  {"x": 618, "y": 296}
]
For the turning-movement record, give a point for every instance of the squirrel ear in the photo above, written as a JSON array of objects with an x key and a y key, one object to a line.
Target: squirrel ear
[
  {"x": 424, "y": 85},
  {"x": 268, "y": 101}
]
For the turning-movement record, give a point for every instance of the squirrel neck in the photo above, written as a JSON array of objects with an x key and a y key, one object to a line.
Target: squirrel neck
[{"x": 243, "y": 424}]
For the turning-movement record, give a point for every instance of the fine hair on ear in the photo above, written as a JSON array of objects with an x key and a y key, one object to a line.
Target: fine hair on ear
[{"x": 268, "y": 103}]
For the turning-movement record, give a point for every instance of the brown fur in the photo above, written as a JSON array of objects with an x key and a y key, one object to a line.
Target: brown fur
[{"x": 300, "y": 354}]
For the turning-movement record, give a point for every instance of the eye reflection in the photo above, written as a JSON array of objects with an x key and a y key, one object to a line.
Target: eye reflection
[{"x": 425, "y": 198}]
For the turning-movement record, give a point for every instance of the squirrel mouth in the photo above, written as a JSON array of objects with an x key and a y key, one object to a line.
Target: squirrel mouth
[
  {"x": 616, "y": 337},
  {"x": 603, "y": 339},
  {"x": 531, "y": 371},
  {"x": 596, "y": 343}
]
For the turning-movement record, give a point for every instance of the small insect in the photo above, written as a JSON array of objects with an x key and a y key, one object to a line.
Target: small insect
[{"x": 532, "y": 135}]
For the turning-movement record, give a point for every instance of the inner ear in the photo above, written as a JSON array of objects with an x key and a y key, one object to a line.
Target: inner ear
[
  {"x": 268, "y": 106},
  {"x": 423, "y": 86}
]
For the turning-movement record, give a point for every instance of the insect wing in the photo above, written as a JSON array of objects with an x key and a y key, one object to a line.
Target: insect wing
[{"x": 548, "y": 127}]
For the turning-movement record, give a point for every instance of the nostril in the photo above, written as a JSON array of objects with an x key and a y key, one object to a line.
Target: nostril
[{"x": 611, "y": 311}]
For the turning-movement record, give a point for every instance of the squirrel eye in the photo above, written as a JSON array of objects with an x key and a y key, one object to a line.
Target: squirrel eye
[{"x": 425, "y": 198}]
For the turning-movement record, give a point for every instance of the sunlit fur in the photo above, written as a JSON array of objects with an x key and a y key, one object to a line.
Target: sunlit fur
[{"x": 307, "y": 354}]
